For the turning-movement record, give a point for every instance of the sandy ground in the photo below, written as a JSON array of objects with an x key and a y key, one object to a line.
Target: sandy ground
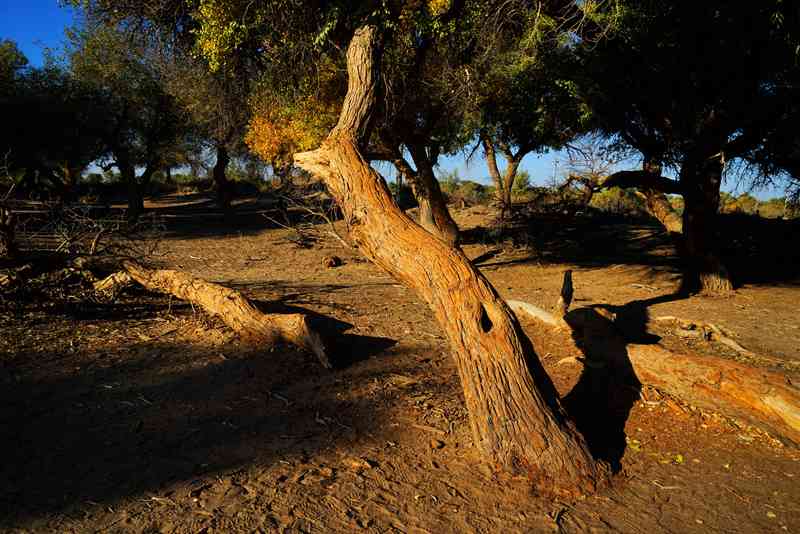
[{"x": 143, "y": 415}]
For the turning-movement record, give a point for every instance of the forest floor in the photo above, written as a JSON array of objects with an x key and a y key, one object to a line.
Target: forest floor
[{"x": 144, "y": 415}]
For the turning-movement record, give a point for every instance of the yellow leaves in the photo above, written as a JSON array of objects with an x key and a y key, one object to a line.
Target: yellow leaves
[
  {"x": 219, "y": 31},
  {"x": 438, "y": 7},
  {"x": 275, "y": 133}
]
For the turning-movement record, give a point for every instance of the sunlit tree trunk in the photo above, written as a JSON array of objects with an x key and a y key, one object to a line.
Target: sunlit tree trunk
[
  {"x": 433, "y": 213},
  {"x": 503, "y": 182},
  {"x": 516, "y": 418}
]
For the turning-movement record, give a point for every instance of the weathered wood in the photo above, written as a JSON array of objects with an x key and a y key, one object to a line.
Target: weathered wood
[
  {"x": 756, "y": 396},
  {"x": 517, "y": 421},
  {"x": 113, "y": 283},
  {"x": 233, "y": 308},
  {"x": 567, "y": 291},
  {"x": 534, "y": 311}
]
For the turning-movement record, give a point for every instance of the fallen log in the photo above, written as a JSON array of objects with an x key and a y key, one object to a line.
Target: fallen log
[
  {"x": 759, "y": 397},
  {"x": 233, "y": 308},
  {"x": 113, "y": 283},
  {"x": 531, "y": 310}
]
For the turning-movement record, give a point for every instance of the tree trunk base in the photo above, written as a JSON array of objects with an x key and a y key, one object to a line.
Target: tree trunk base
[
  {"x": 717, "y": 283},
  {"x": 233, "y": 308}
]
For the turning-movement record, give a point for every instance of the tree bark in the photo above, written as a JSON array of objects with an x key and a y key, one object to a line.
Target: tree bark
[
  {"x": 231, "y": 306},
  {"x": 516, "y": 418},
  {"x": 658, "y": 204},
  {"x": 504, "y": 182},
  {"x": 221, "y": 179},
  {"x": 703, "y": 269},
  {"x": 433, "y": 213},
  {"x": 494, "y": 172}
]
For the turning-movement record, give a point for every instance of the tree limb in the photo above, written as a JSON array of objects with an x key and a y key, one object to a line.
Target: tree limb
[{"x": 641, "y": 179}]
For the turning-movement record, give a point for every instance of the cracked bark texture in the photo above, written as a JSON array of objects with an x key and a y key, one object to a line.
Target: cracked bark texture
[{"x": 516, "y": 418}]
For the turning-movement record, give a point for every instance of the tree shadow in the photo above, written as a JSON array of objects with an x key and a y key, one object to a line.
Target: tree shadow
[
  {"x": 601, "y": 401},
  {"x": 161, "y": 413},
  {"x": 755, "y": 250}
]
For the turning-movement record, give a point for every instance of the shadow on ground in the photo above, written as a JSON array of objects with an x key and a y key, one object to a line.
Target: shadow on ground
[
  {"x": 755, "y": 250},
  {"x": 608, "y": 387},
  {"x": 133, "y": 419}
]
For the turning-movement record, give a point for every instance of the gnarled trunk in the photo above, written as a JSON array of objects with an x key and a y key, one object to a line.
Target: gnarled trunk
[
  {"x": 515, "y": 414},
  {"x": 703, "y": 270},
  {"x": 221, "y": 182}
]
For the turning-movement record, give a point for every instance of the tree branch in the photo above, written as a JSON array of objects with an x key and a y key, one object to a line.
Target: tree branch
[{"x": 641, "y": 179}]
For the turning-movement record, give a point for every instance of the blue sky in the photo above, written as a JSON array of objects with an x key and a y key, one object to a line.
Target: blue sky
[
  {"x": 39, "y": 24},
  {"x": 34, "y": 25}
]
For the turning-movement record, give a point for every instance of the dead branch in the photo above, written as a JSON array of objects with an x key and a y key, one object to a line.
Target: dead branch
[
  {"x": 233, "y": 308},
  {"x": 531, "y": 310},
  {"x": 707, "y": 331},
  {"x": 761, "y": 398},
  {"x": 113, "y": 283}
]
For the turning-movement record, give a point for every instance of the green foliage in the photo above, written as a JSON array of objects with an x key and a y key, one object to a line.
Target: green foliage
[
  {"x": 450, "y": 181},
  {"x": 648, "y": 85},
  {"x": 12, "y": 61},
  {"x": 522, "y": 182},
  {"x": 142, "y": 122},
  {"x": 618, "y": 201}
]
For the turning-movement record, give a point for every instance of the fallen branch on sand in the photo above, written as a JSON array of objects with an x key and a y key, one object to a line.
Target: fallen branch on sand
[
  {"x": 759, "y": 397},
  {"x": 707, "y": 331},
  {"x": 531, "y": 310},
  {"x": 229, "y": 305}
]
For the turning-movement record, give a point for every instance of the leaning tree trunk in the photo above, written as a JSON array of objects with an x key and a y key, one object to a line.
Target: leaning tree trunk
[
  {"x": 703, "y": 270},
  {"x": 658, "y": 203},
  {"x": 8, "y": 247},
  {"x": 433, "y": 213},
  {"x": 221, "y": 179},
  {"x": 515, "y": 414}
]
